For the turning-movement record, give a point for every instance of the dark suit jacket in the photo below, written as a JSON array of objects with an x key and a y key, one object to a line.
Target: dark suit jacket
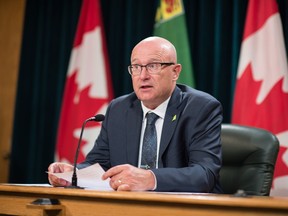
[{"x": 190, "y": 149}]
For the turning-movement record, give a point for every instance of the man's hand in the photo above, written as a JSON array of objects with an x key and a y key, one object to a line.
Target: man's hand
[
  {"x": 58, "y": 167},
  {"x": 129, "y": 178}
]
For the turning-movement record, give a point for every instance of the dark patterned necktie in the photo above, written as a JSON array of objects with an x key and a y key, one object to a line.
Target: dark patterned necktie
[{"x": 149, "y": 148}]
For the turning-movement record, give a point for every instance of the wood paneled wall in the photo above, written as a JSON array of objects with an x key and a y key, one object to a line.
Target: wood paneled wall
[{"x": 11, "y": 25}]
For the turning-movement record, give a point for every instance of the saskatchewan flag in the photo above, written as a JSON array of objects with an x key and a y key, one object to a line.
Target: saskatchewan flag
[{"x": 170, "y": 24}]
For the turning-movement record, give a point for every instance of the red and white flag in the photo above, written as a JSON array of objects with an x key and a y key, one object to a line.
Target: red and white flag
[
  {"x": 261, "y": 93},
  {"x": 88, "y": 88}
]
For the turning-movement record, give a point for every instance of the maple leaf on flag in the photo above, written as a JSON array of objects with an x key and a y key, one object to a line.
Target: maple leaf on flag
[
  {"x": 88, "y": 88},
  {"x": 83, "y": 109},
  {"x": 266, "y": 115}
]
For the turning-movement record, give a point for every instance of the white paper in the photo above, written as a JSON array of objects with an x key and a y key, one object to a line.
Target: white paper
[{"x": 89, "y": 177}]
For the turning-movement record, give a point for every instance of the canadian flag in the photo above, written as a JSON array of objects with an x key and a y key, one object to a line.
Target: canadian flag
[
  {"x": 88, "y": 88},
  {"x": 261, "y": 93}
]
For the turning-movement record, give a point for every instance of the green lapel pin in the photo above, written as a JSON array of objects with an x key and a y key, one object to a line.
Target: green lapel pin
[{"x": 174, "y": 118}]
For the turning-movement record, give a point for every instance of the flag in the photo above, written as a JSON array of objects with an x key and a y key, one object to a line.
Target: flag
[
  {"x": 88, "y": 88},
  {"x": 261, "y": 92},
  {"x": 170, "y": 23}
]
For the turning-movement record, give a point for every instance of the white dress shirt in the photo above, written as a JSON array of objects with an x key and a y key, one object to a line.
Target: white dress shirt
[{"x": 160, "y": 111}]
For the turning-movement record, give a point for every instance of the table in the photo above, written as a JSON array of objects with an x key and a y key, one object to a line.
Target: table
[{"x": 18, "y": 200}]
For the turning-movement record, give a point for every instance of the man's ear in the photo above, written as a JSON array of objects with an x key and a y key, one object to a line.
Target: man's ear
[{"x": 176, "y": 71}]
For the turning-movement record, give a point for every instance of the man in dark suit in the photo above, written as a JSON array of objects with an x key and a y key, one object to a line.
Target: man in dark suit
[{"x": 187, "y": 128}]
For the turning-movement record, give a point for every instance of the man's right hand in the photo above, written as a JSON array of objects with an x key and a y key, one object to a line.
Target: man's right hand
[{"x": 58, "y": 167}]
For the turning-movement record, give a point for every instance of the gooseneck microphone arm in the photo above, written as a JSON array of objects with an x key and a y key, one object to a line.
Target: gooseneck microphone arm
[{"x": 97, "y": 118}]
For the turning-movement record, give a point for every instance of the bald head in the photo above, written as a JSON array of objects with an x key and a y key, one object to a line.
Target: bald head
[{"x": 163, "y": 48}]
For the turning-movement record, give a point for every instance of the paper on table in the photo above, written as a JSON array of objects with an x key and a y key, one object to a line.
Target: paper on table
[{"x": 89, "y": 177}]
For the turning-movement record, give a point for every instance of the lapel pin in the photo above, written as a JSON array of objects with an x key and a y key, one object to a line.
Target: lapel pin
[{"x": 174, "y": 118}]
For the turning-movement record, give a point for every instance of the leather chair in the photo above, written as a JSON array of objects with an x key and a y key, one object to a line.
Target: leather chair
[{"x": 249, "y": 157}]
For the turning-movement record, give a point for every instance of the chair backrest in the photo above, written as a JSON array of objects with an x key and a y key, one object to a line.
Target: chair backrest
[{"x": 249, "y": 156}]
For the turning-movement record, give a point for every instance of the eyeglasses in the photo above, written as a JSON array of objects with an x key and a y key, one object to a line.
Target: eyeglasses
[{"x": 152, "y": 68}]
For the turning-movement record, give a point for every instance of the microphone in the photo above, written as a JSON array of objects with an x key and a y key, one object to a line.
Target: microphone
[{"x": 97, "y": 118}]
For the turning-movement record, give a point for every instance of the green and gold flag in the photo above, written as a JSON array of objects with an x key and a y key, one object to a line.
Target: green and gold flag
[{"x": 170, "y": 24}]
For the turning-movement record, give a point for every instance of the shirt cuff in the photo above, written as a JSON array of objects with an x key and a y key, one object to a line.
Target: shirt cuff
[{"x": 155, "y": 186}]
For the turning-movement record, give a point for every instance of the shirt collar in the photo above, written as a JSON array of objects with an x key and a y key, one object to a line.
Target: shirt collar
[{"x": 160, "y": 110}]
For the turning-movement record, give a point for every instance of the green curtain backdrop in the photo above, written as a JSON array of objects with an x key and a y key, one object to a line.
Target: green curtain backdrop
[{"x": 215, "y": 30}]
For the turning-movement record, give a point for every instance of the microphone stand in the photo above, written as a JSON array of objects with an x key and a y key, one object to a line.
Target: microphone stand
[{"x": 97, "y": 118}]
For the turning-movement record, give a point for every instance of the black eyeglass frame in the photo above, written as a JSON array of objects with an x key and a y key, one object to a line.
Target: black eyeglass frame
[{"x": 161, "y": 64}]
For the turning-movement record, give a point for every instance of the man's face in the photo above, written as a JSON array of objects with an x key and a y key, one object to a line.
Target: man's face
[{"x": 153, "y": 89}]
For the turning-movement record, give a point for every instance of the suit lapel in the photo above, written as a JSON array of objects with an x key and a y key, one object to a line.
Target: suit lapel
[
  {"x": 134, "y": 119},
  {"x": 170, "y": 122}
]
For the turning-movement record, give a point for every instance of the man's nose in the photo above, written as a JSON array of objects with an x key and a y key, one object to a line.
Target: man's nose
[{"x": 144, "y": 72}]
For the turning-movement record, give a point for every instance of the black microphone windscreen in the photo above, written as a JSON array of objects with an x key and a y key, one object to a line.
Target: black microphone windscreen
[{"x": 98, "y": 117}]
